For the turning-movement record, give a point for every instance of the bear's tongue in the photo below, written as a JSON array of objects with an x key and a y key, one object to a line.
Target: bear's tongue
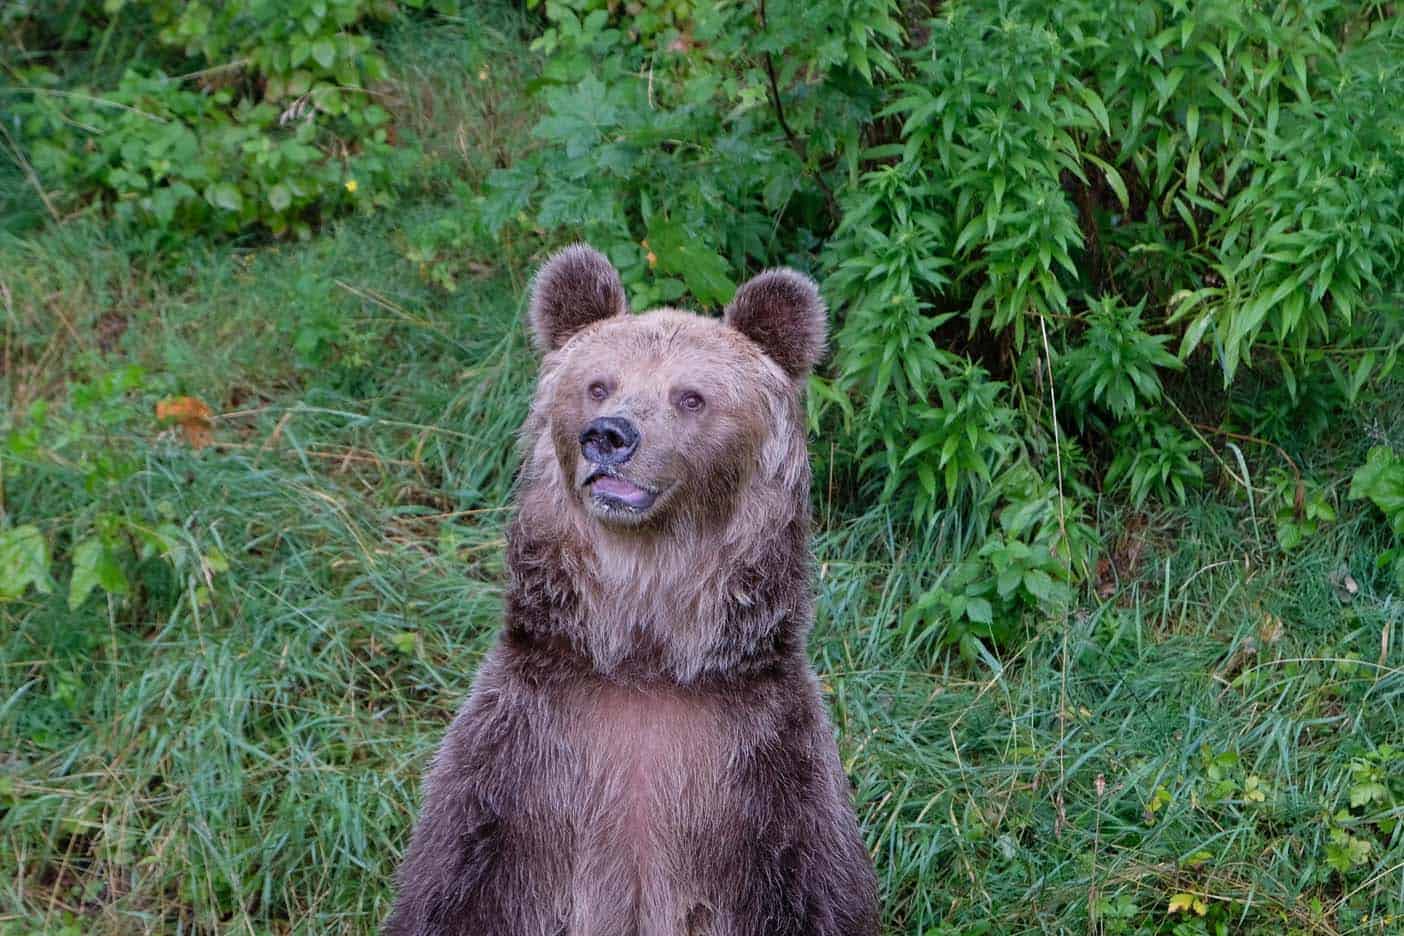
[{"x": 621, "y": 490}]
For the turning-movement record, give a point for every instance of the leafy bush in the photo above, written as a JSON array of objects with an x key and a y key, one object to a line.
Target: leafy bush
[
  {"x": 254, "y": 114},
  {"x": 663, "y": 140}
]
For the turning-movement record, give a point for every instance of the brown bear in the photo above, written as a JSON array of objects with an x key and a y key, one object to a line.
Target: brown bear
[{"x": 644, "y": 751}]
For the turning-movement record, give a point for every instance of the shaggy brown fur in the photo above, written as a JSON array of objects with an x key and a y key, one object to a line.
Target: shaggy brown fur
[{"x": 645, "y": 753}]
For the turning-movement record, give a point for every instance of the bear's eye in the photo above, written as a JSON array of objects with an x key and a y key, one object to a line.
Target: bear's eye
[
  {"x": 691, "y": 401},
  {"x": 598, "y": 391}
]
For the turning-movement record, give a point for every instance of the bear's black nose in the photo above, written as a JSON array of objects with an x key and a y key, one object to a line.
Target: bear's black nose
[{"x": 609, "y": 440}]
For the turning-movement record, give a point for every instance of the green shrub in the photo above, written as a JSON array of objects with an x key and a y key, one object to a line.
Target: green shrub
[
  {"x": 662, "y": 141},
  {"x": 250, "y": 114}
]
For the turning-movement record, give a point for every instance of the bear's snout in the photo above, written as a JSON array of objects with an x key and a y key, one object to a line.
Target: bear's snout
[{"x": 609, "y": 440}]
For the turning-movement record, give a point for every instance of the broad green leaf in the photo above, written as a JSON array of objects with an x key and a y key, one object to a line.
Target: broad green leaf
[
  {"x": 94, "y": 566},
  {"x": 324, "y": 51},
  {"x": 279, "y": 198},
  {"x": 24, "y": 561},
  {"x": 1041, "y": 585},
  {"x": 225, "y": 195},
  {"x": 980, "y": 611}
]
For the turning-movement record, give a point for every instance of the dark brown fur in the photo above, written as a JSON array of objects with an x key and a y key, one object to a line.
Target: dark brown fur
[{"x": 645, "y": 752}]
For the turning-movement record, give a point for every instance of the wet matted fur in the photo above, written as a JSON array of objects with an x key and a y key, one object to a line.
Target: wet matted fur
[{"x": 644, "y": 751}]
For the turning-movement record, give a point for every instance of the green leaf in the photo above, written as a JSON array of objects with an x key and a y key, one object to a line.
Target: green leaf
[
  {"x": 1381, "y": 480},
  {"x": 94, "y": 565},
  {"x": 1041, "y": 585},
  {"x": 682, "y": 254},
  {"x": 1363, "y": 794},
  {"x": 1095, "y": 105},
  {"x": 86, "y": 557},
  {"x": 279, "y": 198},
  {"x": 225, "y": 195},
  {"x": 1113, "y": 177},
  {"x": 979, "y": 611},
  {"x": 328, "y": 98},
  {"x": 324, "y": 51},
  {"x": 24, "y": 561}
]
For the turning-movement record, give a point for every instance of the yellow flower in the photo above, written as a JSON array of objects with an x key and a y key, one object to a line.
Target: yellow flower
[{"x": 351, "y": 185}]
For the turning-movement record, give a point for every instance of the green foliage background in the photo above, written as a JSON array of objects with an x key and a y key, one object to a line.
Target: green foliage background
[{"x": 1109, "y": 448}]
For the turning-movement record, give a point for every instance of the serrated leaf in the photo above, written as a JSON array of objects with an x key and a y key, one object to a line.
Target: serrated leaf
[
  {"x": 1095, "y": 105},
  {"x": 979, "y": 611}
]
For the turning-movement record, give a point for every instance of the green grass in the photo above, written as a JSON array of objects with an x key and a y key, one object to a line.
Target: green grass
[{"x": 236, "y": 745}]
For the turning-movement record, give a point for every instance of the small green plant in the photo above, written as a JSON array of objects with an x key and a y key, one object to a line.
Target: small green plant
[
  {"x": 1117, "y": 365},
  {"x": 106, "y": 539},
  {"x": 1301, "y": 508},
  {"x": 1153, "y": 459},
  {"x": 1377, "y": 788},
  {"x": 980, "y": 605},
  {"x": 1381, "y": 481},
  {"x": 960, "y": 444},
  {"x": 1346, "y": 851}
]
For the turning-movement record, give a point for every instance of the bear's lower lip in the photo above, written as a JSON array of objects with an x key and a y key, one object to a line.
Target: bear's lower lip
[{"x": 617, "y": 490}]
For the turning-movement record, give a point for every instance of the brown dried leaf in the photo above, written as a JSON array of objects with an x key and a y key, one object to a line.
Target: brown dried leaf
[{"x": 192, "y": 415}]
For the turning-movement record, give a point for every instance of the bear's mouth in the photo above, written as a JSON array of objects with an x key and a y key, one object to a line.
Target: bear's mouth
[{"x": 610, "y": 490}]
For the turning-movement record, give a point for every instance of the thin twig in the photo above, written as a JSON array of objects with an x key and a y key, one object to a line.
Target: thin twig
[
  {"x": 1061, "y": 818},
  {"x": 93, "y": 98},
  {"x": 1194, "y": 427},
  {"x": 212, "y": 70},
  {"x": 1247, "y": 438},
  {"x": 798, "y": 145},
  {"x": 29, "y": 173}
]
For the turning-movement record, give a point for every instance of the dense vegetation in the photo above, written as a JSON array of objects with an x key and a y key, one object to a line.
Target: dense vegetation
[{"x": 1109, "y": 450}]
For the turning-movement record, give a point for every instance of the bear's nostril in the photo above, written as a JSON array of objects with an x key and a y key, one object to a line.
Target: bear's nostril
[{"x": 609, "y": 440}]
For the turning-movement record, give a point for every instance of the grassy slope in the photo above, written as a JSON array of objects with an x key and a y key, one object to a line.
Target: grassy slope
[{"x": 238, "y": 750}]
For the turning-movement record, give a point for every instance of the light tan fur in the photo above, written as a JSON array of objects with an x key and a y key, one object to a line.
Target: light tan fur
[{"x": 667, "y": 589}]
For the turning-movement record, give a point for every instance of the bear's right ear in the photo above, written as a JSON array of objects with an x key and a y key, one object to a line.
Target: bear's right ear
[{"x": 575, "y": 287}]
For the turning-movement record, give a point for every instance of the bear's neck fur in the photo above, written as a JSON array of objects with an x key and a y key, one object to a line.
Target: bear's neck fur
[{"x": 700, "y": 599}]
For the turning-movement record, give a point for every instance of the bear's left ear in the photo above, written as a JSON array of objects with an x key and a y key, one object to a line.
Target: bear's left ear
[
  {"x": 574, "y": 288},
  {"x": 780, "y": 310}
]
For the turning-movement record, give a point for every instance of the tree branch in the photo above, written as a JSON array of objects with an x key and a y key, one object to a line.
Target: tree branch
[{"x": 798, "y": 145}]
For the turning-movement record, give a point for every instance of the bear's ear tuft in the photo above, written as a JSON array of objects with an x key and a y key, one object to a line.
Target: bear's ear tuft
[
  {"x": 574, "y": 288},
  {"x": 780, "y": 310}
]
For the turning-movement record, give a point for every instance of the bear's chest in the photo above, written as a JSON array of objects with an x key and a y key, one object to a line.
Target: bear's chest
[{"x": 655, "y": 801}]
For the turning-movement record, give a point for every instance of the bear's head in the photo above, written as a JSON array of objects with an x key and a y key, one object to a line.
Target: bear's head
[{"x": 664, "y": 418}]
